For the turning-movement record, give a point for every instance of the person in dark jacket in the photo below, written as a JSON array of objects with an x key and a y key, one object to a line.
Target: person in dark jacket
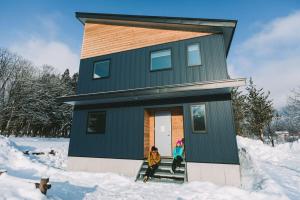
[
  {"x": 153, "y": 163},
  {"x": 177, "y": 156}
]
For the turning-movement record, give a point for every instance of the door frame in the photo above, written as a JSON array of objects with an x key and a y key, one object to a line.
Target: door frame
[
  {"x": 171, "y": 137},
  {"x": 149, "y": 125}
]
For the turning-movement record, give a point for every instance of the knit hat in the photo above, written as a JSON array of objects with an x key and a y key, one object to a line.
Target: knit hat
[{"x": 179, "y": 142}]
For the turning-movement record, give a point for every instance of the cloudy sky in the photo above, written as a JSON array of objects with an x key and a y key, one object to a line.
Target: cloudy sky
[{"x": 266, "y": 43}]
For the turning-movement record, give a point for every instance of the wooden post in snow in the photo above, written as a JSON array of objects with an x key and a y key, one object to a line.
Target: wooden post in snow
[
  {"x": 43, "y": 185},
  {"x": 2, "y": 172}
]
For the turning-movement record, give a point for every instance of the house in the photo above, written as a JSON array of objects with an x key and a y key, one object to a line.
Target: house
[{"x": 148, "y": 80}]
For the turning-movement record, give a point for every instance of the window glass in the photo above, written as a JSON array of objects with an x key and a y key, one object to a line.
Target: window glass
[
  {"x": 96, "y": 122},
  {"x": 194, "y": 57},
  {"x": 198, "y": 118},
  {"x": 161, "y": 59},
  {"x": 101, "y": 69}
]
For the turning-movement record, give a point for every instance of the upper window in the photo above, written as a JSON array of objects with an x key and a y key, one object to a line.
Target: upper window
[
  {"x": 193, "y": 55},
  {"x": 198, "y": 118},
  {"x": 161, "y": 60},
  {"x": 96, "y": 122},
  {"x": 101, "y": 69}
]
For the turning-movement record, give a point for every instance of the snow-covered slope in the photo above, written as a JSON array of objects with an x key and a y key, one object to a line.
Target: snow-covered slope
[{"x": 267, "y": 173}]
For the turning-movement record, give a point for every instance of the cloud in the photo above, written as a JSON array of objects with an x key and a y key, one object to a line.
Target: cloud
[
  {"x": 272, "y": 57},
  {"x": 54, "y": 53},
  {"x": 42, "y": 45}
]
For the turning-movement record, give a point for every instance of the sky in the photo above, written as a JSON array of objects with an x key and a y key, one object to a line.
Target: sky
[{"x": 266, "y": 44}]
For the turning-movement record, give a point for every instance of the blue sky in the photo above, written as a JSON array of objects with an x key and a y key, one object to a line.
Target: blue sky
[{"x": 266, "y": 38}]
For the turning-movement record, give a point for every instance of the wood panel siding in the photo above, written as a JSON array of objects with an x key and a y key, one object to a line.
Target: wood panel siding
[
  {"x": 102, "y": 39},
  {"x": 146, "y": 133},
  {"x": 177, "y": 125}
]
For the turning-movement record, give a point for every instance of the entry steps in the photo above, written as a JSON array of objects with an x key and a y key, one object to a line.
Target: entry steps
[{"x": 163, "y": 174}]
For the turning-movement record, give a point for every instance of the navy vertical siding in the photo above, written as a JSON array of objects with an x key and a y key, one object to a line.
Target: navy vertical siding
[
  {"x": 218, "y": 144},
  {"x": 124, "y": 136},
  {"x": 131, "y": 69}
]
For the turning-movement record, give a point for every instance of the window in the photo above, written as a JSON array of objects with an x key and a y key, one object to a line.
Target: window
[
  {"x": 101, "y": 69},
  {"x": 161, "y": 60},
  {"x": 193, "y": 55},
  {"x": 198, "y": 118},
  {"x": 96, "y": 122}
]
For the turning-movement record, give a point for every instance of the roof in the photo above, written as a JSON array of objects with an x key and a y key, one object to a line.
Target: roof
[
  {"x": 157, "y": 92},
  {"x": 224, "y": 26}
]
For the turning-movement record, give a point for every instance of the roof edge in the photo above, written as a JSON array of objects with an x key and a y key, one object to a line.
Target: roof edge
[{"x": 160, "y": 19}]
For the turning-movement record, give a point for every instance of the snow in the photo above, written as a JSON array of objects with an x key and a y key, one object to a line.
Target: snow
[{"x": 267, "y": 173}]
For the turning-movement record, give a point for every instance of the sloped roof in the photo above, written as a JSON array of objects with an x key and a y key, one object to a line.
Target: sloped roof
[{"x": 224, "y": 26}]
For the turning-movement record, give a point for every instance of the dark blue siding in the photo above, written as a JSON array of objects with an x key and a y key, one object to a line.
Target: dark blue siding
[
  {"x": 124, "y": 137},
  {"x": 131, "y": 69},
  {"x": 218, "y": 144}
]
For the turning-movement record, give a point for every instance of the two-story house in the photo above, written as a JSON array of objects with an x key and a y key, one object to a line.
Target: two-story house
[{"x": 146, "y": 81}]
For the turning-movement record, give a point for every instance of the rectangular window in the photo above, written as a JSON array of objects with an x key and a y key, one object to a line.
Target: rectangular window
[
  {"x": 198, "y": 118},
  {"x": 96, "y": 122},
  {"x": 193, "y": 55},
  {"x": 161, "y": 60},
  {"x": 101, "y": 69}
]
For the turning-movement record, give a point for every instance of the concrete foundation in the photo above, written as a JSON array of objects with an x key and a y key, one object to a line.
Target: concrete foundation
[
  {"x": 221, "y": 174},
  {"x": 121, "y": 166}
]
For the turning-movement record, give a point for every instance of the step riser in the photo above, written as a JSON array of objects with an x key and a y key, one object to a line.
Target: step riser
[
  {"x": 166, "y": 164},
  {"x": 163, "y": 168},
  {"x": 164, "y": 177},
  {"x": 163, "y": 174},
  {"x": 165, "y": 171}
]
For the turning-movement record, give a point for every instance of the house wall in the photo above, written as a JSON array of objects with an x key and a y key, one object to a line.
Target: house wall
[
  {"x": 218, "y": 143},
  {"x": 124, "y": 137},
  {"x": 131, "y": 69}
]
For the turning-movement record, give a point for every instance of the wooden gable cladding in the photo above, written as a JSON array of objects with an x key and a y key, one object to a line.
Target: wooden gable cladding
[{"x": 102, "y": 39}]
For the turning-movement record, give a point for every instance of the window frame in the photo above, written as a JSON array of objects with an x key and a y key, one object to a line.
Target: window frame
[
  {"x": 87, "y": 123},
  {"x": 109, "y": 66},
  {"x": 187, "y": 54},
  {"x": 205, "y": 117},
  {"x": 163, "y": 69}
]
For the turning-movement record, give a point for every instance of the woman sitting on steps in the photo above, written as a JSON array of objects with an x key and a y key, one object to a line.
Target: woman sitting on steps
[
  {"x": 177, "y": 156},
  {"x": 153, "y": 162}
]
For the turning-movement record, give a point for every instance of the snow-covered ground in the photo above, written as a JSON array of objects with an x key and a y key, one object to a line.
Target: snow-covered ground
[{"x": 267, "y": 173}]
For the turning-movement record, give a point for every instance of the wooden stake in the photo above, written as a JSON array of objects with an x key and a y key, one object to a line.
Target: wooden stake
[
  {"x": 2, "y": 172},
  {"x": 43, "y": 185}
]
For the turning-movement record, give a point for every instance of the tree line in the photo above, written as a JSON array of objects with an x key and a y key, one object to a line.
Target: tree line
[
  {"x": 28, "y": 103},
  {"x": 255, "y": 116},
  {"x": 28, "y": 95}
]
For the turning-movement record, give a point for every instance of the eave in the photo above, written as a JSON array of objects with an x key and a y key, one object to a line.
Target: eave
[{"x": 158, "y": 92}]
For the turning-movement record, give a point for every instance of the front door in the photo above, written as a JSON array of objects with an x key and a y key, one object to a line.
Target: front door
[{"x": 163, "y": 132}]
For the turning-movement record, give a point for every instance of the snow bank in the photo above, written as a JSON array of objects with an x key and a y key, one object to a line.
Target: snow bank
[{"x": 267, "y": 173}]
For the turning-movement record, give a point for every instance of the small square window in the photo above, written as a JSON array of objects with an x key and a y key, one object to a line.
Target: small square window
[
  {"x": 101, "y": 69},
  {"x": 193, "y": 55},
  {"x": 161, "y": 60},
  {"x": 198, "y": 118},
  {"x": 96, "y": 122}
]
